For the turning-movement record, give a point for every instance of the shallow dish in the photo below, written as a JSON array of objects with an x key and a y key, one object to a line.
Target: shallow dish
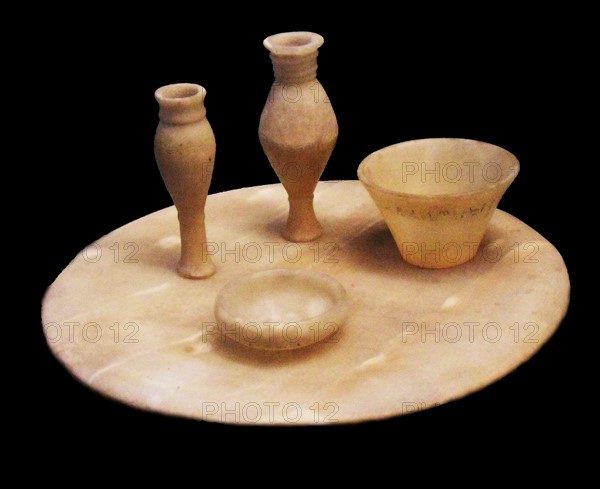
[{"x": 281, "y": 309}]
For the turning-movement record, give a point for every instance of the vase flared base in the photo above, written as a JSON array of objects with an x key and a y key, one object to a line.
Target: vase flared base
[
  {"x": 302, "y": 231},
  {"x": 197, "y": 272},
  {"x": 302, "y": 223},
  {"x": 302, "y": 235}
]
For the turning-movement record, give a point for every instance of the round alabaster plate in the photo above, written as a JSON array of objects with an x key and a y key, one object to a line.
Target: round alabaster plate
[
  {"x": 281, "y": 309},
  {"x": 134, "y": 330}
]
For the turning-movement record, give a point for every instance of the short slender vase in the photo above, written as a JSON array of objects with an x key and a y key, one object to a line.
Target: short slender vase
[
  {"x": 298, "y": 128},
  {"x": 185, "y": 149}
]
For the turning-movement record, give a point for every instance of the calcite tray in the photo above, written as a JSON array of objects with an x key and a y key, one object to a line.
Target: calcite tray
[{"x": 125, "y": 324}]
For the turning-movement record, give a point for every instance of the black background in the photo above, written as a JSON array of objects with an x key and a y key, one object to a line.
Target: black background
[{"x": 386, "y": 85}]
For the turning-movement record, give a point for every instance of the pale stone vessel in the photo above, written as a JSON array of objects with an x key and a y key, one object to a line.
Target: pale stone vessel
[
  {"x": 298, "y": 128},
  {"x": 281, "y": 309},
  {"x": 438, "y": 195},
  {"x": 185, "y": 150}
]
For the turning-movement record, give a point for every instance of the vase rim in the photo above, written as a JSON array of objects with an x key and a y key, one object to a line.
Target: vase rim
[
  {"x": 183, "y": 92},
  {"x": 296, "y": 43}
]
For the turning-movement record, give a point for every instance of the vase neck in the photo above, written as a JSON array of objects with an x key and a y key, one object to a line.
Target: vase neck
[
  {"x": 294, "y": 56},
  {"x": 181, "y": 103},
  {"x": 295, "y": 69}
]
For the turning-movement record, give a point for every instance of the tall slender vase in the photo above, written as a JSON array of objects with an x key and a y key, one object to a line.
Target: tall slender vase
[
  {"x": 298, "y": 128},
  {"x": 185, "y": 149}
]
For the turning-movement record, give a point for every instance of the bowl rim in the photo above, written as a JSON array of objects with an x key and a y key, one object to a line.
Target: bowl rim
[
  {"x": 340, "y": 295},
  {"x": 504, "y": 181}
]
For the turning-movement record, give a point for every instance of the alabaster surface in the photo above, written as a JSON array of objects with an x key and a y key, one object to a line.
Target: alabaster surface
[{"x": 413, "y": 337}]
